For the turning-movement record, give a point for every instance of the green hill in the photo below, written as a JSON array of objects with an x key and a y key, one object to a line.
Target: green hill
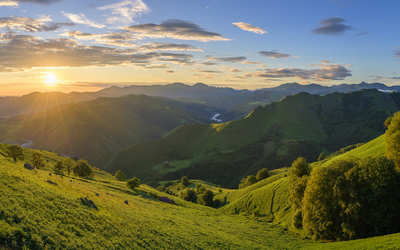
[
  {"x": 101, "y": 126},
  {"x": 271, "y": 136},
  {"x": 35, "y": 214}
]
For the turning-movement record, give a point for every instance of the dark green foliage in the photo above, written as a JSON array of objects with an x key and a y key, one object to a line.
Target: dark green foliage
[
  {"x": 161, "y": 188},
  {"x": 185, "y": 181},
  {"x": 37, "y": 160},
  {"x": 59, "y": 166},
  {"x": 188, "y": 194},
  {"x": 298, "y": 181},
  {"x": 168, "y": 184},
  {"x": 299, "y": 168},
  {"x": 83, "y": 169},
  {"x": 297, "y": 219},
  {"x": 69, "y": 165},
  {"x": 207, "y": 198},
  {"x": 202, "y": 190},
  {"x": 119, "y": 175},
  {"x": 393, "y": 139},
  {"x": 262, "y": 174},
  {"x": 352, "y": 199},
  {"x": 15, "y": 152},
  {"x": 133, "y": 183},
  {"x": 197, "y": 188},
  {"x": 388, "y": 121},
  {"x": 321, "y": 157}
]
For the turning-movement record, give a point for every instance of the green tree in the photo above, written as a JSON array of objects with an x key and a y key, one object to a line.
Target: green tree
[
  {"x": 207, "y": 198},
  {"x": 37, "y": 160},
  {"x": 262, "y": 174},
  {"x": 299, "y": 175},
  {"x": 300, "y": 168},
  {"x": 388, "y": 121},
  {"x": 202, "y": 189},
  {"x": 161, "y": 188},
  {"x": 321, "y": 157},
  {"x": 393, "y": 139},
  {"x": 69, "y": 164},
  {"x": 15, "y": 152},
  {"x": 250, "y": 180},
  {"x": 119, "y": 175},
  {"x": 197, "y": 188},
  {"x": 189, "y": 194},
  {"x": 185, "y": 181},
  {"x": 59, "y": 167},
  {"x": 83, "y": 169},
  {"x": 133, "y": 183}
]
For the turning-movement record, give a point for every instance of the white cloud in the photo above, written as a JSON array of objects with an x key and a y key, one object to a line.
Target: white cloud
[
  {"x": 82, "y": 20},
  {"x": 249, "y": 27},
  {"x": 8, "y": 3},
  {"x": 122, "y": 13}
]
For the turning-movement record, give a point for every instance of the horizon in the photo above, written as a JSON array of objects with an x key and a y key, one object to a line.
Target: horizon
[{"x": 66, "y": 46}]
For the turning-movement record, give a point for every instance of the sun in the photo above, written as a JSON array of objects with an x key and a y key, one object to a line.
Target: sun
[{"x": 51, "y": 79}]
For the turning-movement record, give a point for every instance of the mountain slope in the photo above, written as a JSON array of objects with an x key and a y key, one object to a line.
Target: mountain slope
[
  {"x": 101, "y": 126},
  {"x": 272, "y": 137}
]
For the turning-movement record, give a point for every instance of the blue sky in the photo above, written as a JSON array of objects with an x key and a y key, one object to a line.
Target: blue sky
[{"x": 68, "y": 45}]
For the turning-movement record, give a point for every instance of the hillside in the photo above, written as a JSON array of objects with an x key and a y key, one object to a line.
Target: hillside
[
  {"x": 39, "y": 215},
  {"x": 101, "y": 126},
  {"x": 271, "y": 136}
]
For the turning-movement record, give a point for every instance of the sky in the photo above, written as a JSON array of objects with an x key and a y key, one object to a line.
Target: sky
[{"x": 69, "y": 45}]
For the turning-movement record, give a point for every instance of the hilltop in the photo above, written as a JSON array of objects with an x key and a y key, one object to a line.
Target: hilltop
[{"x": 271, "y": 136}]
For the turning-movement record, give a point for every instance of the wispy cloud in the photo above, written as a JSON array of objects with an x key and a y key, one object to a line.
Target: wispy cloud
[
  {"x": 247, "y": 62},
  {"x": 43, "y": 23},
  {"x": 169, "y": 71},
  {"x": 206, "y": 71},
  {"x": 396, "y": 53},
  {"x": 275, "y": 55},
  {"x": 332, "y": 26},
  {"x": 175, "y": 29},
  {"x": 14, "y": 3},
  {"x": 249, "y": 27},
  {"x": 122, "y": 13},
  {"x": 323, "y": 73},
  {"x": 81, "y": 19},
  {"x": 326, "y": 61},
  {"x": 226, "y": 59}
]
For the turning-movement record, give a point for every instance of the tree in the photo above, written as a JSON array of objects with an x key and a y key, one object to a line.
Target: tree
[
  {"x": 119, "y": 175},
  {"x": 161, "y": 188},
  {"x": 202, "y": 190},
  {"x": 83, "y": 169},
  {"x": 37, "y": 160},
  {"x": 133, "y": 183},
  {"x": 300, "y": 167},
  {"x": 59, "y": 167},
  {"x": 393, "y": 139},
  {"x": 321, "y": 157},
  {"x": 197, "y": 188},
  {"x": 251, "y": 179},
  {"x": 189, "y": 194},
  {"x": 185, "y": 181},
  {"x": 387, "y": 122},
  {"x": 69, "y": 164},
  {"x": 15, "y": 152},
  {"x": 262, "y": 174},
  {"x": 207, "y": 198}
]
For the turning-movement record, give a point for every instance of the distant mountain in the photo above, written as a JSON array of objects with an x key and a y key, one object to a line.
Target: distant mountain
[
  {"x": 102, "y": 126},
  {"x": 271, "y": 136}
]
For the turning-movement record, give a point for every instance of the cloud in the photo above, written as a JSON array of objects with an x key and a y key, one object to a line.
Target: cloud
[
  {"x": 122, "y": 13},
  {"x": 323, "y": 73},
  {"x": 14, "y": 3},
  {"x": 208, "y": 76},
  {"x": 175, "y": 29},
  {"x": 396, "y": 53},
  {"x": 167, "y": 46},
  {"x": 31, "y": 24},
  {"x": 326, "y": 61},
  {"x": 169, "y": 71},
  {"x": 234, "y": 70},
  {"x": 82, "y": 20},
  {"x": 23, "y": 52},
  {"x": 275, "y": 55},
  {"x": 247, "y": 62},
  {"x": 249, "y": 27},
  {"x": 206, "y": 71},
  {"x": 362, "y": 33},
  {"x": 332, "y": 26},
  {"x": 226, "y": 59}
]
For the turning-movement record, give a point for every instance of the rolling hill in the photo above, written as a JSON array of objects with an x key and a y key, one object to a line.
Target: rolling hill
[
  {"x": 271, "y": 136},
  {"x": 101, "y": 126}
]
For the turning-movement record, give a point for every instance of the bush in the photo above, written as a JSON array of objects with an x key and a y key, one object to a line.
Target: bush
[
  {"x": 15, "y": 152},
  {"x": 262, "y": 174},
  {"x": 352, "y": 199},
  {"x": 297, "y": 219},
  {"x": 83, "y": 169},
  {"x": 119, "y": 175},
  {"x": 133, "y": 183},
  {"x": 185, "y": 181},
  {"x": 37, "y": 160},
  {"x": 59, "y": 167},
  {"x": 189, "y": 194},
  {"x": 393, "y": 138},
  {"x": 161, "y": 188},
  {"x": 207, "y": 198}
]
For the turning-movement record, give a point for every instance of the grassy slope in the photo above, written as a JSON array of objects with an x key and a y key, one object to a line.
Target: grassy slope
[{"x": 36, "y": 213}]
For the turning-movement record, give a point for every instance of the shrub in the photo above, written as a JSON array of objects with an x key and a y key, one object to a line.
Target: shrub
[
  {"x": 59, "y": 167},
  {"x": 133, "y": 183},
  {"x": 161, "y": 188},
  {"x": 37, "y": 160},
  {"x": 188, "y": 194},
  {"x": 297, "y": 219},
  {"x": 207, "y": 198},
  {"x": 15, "y": 152},
  {"x": 119, "y": 175},
  {"x": 83, "y": 169},
  {"x": 185, "y": 181},
  {"x": 393, "y": 138},
  {"x": 262, "y": 174}
]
